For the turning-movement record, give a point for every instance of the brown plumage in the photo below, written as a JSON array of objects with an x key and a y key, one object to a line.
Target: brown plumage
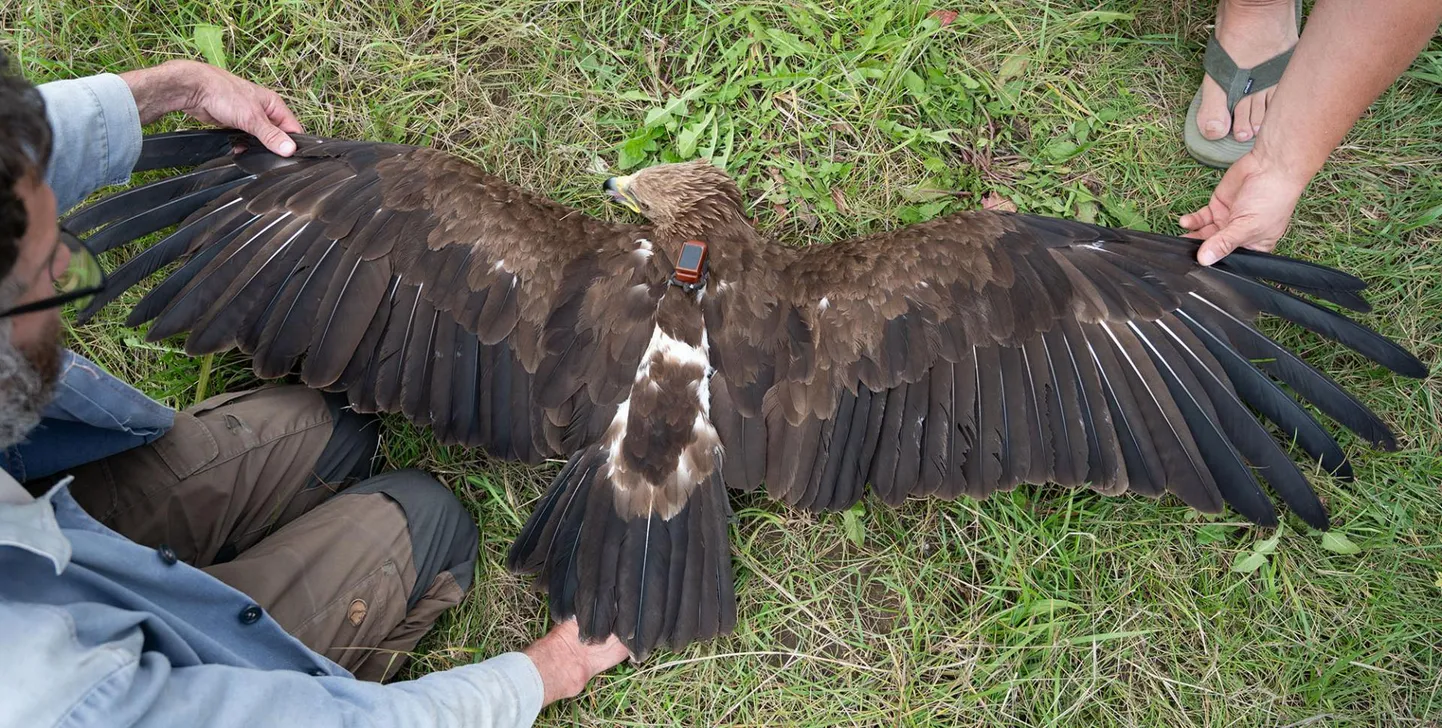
[{"x": 960, "y": 356}]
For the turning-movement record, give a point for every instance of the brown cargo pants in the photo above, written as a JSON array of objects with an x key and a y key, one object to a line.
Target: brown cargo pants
[{"x": 271, "y": 491}]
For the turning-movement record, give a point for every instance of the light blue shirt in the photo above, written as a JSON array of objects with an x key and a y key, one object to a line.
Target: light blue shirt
[{"x": 96, "y": 630}]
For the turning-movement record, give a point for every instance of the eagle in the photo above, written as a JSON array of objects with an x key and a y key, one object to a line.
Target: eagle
[{"x": 669, "y": 361}]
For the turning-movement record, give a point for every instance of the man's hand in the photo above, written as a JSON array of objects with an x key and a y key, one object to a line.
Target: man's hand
[
  {"x": 213, "y": 96},
  {"x": 566, "y": 663},
  {"x": 1350, "y": 52},
  {"x": 1250, "y": 208}
]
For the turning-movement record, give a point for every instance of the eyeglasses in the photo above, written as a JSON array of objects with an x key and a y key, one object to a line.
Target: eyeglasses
[{"x": 81, "y": 279}]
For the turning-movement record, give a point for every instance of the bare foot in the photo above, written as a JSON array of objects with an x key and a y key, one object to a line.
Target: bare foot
[{"x": 1251, "y": 31}]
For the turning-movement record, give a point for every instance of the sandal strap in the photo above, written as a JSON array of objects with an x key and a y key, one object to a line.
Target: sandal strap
[{"x": 1240, "y": 82}]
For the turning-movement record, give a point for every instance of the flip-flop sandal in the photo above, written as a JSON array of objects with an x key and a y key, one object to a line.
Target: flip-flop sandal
[{"x": 1239, "y": 83}]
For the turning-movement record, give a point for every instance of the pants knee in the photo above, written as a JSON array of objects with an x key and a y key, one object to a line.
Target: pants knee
[{"x": 444, "y": 536}]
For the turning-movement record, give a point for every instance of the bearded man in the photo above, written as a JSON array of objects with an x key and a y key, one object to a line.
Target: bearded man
[{"x": 236, "y": 564}]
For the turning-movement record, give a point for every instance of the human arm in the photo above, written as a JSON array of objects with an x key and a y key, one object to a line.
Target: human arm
[
  {"x": 507, "y": 690},
  {"x": 1350, "y": 52},
  {"x": 566, "y": 664},
  {"x": 96, "y": 120},
  {"x": 213, "y": 96},
  {"x": 502, "y": 692},
  {"x": 66, "y": 678}
]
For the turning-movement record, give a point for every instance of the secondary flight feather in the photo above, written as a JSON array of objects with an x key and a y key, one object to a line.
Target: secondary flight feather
[{"x": 667, "y": 362}]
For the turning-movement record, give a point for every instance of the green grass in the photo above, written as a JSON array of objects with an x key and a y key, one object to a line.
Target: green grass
[{"x": 1040, "y": 607}]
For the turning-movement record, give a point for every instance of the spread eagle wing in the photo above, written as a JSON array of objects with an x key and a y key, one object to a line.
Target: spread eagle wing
[
  {"x": 959, "y": 356},
  {"x": 975, "y": 352},
  {"x": 403, "y": 276}
]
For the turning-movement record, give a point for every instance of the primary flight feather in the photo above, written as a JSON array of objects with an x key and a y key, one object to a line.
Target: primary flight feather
[{"x": 955, "y": 357}]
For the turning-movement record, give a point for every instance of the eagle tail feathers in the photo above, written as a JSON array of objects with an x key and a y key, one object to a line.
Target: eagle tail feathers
[{"x": 647, "y": 579}]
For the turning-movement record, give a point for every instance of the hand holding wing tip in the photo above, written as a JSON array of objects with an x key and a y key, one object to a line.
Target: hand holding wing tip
[
  {"x": 1250, "y": 208},
  {"x": 214, "y": 96}
]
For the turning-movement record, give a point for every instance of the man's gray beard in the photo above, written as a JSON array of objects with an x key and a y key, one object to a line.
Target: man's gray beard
[
  {"x": 25, "y": 385},
  {"x": 23, "y": 392}
]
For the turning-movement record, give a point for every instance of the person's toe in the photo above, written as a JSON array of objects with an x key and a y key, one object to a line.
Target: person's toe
[
  {"x": 1213, "y": 121},
  {"x": 1259, "y": 110},
  {"x": 1242, "y": 119}
]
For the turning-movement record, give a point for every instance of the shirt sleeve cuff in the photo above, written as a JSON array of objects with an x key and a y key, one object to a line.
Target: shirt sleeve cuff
[
  {"x": 122, "y": 125},
  {"x": 96, "y": 128},
  {"x": 517, "y": 669}
]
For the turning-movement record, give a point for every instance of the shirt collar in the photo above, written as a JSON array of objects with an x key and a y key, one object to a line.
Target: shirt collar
[{"x": 29, "y": 523}]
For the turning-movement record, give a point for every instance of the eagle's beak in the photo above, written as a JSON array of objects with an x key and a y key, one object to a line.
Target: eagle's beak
[{"x": 616, "y": 187}]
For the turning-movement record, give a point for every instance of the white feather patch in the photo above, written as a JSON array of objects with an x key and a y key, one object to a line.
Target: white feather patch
[
  {"x": 664, "y": 347},
  {"x": 617, "y": 434},
  {"x": 674, "y": 350},
  {"x": 643, "y": 249}
]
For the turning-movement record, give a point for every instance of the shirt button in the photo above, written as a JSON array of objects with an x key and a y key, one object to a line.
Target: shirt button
[
  {"x": 316, "y": 672},
  {"x": 250, "y": 615},
  {"x": 167, "y": 554}
]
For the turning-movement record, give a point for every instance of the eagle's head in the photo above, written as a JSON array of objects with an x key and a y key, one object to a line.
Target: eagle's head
[{"x": 689, "y": 197}]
